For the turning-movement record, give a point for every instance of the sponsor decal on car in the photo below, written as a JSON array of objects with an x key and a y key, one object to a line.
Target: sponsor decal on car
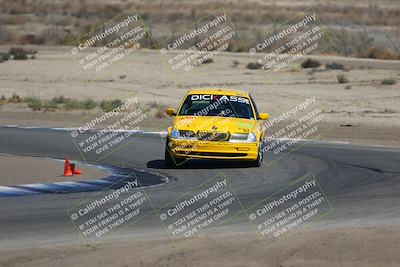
[{"x": 231, "y": 98}]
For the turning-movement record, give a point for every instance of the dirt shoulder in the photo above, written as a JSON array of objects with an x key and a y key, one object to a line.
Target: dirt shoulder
[
  {"x": 364, "y": 246},
  {"x": 26, "y": 170}
]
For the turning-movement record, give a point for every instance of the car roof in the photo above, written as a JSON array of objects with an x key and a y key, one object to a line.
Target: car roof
[{"x": 218, "y": 91}]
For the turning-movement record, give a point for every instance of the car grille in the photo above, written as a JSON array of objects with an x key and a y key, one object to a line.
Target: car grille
[
  {"x": 217, "y": 154},
  {"x": 212, "y": 136}
]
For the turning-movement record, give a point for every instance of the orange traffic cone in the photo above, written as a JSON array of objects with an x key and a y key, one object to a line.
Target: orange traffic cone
[
  {"x": 67, "y": 168},
  {"x": 72, "y": 167},
  {"x": 73, "y": 170}
]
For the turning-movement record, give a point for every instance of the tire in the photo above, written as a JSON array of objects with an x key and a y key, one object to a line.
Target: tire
[{"x": 170, "y": 161}]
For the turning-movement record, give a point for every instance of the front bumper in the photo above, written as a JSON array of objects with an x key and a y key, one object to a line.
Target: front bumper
[{"x": 213, "y": 149}]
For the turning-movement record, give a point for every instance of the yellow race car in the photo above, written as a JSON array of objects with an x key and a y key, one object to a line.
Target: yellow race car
[{"x": 215, "y": 124}]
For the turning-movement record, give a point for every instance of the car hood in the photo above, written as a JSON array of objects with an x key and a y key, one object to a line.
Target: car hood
[{"x": 214, "y": 123}]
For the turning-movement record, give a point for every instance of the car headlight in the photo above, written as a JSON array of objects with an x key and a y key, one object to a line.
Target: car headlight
[
  {"x": 252, "y": 137},
  {"x": 175, "y": 134},
  {"x": 242, "y": 137},
  {"x": 183, "y": 134},
  {"x": 238, "y": 137}
]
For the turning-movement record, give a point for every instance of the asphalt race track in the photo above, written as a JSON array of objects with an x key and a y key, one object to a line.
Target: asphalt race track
[{"x": 362, "y": 184}]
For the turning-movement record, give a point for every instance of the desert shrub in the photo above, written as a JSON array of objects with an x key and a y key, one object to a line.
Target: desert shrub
[
  {"x": 15, "y": 99},
  {"x": 73, "y": 104},
  {"x": 5, "y": 55},
  {"x": 16, "y": 50},
  {"x": 160, "y": 109},
  {"x": 310, "y": 63},
  {"x": 34, "y": 103},
  {"x": 19, "y": 53},
  {"x": 334, "y": 66},
  {"x": 59, "y": 99},
  {"x": 20, "y": 56},
  {"x": 389, "y": 82},
  {"x": 50, "y": 105},
  {"x": 378, "y": 53},
  {"x": 342, "y": 78},
  {"x": 235, "y": 63},
  {"x": 160, "y": 114},
  {"x": 208, "y": 61},
  {"x": 108, "y": 105},
  {"x": 88, "y": 104},
  {"x": 253, "y": 66},
  {"x": 70, "y": 104}
]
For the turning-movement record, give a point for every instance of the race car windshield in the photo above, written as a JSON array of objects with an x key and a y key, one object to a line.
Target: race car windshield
[{"x": 217, "y": 105}]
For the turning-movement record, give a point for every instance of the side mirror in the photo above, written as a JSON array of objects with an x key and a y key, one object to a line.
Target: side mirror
[
  {"x": 264, "y": 116},
  {"x": 170, "y": 112}
]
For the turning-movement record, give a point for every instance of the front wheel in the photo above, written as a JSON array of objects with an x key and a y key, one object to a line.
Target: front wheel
[
  {"x": 170, "y": 161},
  {"x": 260, "y": 157}
]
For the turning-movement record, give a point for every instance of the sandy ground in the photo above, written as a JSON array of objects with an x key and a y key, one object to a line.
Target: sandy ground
[
  {"x": 310, "y": 247},
  {"x": 367, "y": 110},
  {"x": 25, "y": 170}
]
